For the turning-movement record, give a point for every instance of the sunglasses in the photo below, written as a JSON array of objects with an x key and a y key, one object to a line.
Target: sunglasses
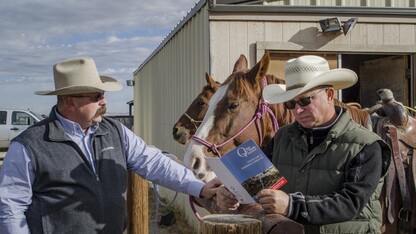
[
  {"x": 95, "y": 98},
  {"x": 291, "y": 104}
]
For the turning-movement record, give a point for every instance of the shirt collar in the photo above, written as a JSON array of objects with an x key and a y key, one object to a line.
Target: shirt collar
[{"x": 73, "y": 128}]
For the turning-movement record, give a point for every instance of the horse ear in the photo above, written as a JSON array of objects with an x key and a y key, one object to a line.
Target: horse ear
[
  {"x": 241, "y": 64},
  {"x": 260, "y": 69},
  {"x": 210, "y": 81}
]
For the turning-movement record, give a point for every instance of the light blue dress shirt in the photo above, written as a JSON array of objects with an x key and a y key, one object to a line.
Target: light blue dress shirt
[{"x": 17, "y": 175}]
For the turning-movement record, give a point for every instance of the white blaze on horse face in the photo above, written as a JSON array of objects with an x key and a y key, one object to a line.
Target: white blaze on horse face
[{"x": 195, "y": 149}]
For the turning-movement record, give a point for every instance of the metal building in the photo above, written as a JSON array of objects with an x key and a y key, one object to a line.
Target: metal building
[{"x": 380, "y": 47}]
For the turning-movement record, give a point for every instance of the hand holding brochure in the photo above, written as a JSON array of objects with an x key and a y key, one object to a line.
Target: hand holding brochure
[{"x": 245, "y": 171}]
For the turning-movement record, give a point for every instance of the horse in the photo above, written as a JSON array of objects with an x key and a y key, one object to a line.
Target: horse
[
  {"x": 188, "y": 123},
  {"x": 237, "y": 105}
]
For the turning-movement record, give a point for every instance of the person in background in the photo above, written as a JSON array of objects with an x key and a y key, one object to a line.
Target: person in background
[
  {"x": 68, "y": 173},
  {"x": 334, "y": 167}
]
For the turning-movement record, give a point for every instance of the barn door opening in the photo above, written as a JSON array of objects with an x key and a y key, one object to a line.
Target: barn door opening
[
  {"x": 375, "y": 71},
  {"x": 390, "y": 73}
]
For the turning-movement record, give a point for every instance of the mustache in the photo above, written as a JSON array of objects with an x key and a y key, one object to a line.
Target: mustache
[{"x": 101, "y": 111}]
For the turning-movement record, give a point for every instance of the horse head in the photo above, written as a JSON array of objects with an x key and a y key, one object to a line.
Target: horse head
[
  {"x": 236, "y": 113},
  {"x": 189, "y": 122}
]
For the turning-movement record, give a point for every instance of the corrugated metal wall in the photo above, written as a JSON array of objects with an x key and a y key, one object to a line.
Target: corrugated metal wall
[
  {"x": 165, "y": 87},
  {"x": 167, "y": 84}
]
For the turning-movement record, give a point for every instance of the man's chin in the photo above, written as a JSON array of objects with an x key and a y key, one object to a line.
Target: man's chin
[{"x": 97, "y": 119}]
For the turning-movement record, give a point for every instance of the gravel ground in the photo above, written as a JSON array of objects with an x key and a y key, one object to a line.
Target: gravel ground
[{"x": 178, "y": 225}]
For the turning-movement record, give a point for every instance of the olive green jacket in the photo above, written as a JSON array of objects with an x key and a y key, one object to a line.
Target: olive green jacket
[{"x": 322, "y": 170}]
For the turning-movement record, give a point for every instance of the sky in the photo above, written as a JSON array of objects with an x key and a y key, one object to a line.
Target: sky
[{"x": 118, "y": 35}]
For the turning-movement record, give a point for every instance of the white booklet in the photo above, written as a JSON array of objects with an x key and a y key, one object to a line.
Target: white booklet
[{"x": 245, "y": 171}]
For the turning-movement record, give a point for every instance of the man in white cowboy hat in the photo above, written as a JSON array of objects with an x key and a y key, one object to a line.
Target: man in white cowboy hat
[
  {"x": 334, "y": 167},
  {"x": 68, "y": 173}
]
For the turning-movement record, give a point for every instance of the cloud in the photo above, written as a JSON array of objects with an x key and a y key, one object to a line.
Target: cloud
[{"x": 119, "y": 35}]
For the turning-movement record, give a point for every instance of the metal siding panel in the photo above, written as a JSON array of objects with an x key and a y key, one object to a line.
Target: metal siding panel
[
  {"x": 359, "y": 34},
  {"x": 220, "y": 44},
  {"x": 290, "y": 30},
  {"x": 407, "y": 34},
  {"x": 165, "y": 86},
  {"x": 391, "y": 34},
  {"x": 307, "y": 33},
  {"x": 257, "y": 33},
  {"x": 274, "y": 31},
  {"x": 238, "y": 42},
  {"x": 375, "y": 34}
]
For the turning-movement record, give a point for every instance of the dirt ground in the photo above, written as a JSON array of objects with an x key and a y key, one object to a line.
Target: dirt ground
[{"x": 178, "y": 225}]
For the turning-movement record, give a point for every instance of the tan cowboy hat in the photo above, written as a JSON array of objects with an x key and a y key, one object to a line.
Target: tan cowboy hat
[
  {"x": 79, "y": 75},
  {"x": 305, "y": 73}
]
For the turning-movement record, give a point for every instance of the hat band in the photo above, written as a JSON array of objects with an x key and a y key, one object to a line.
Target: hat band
[
  {"x": 295, "y": 70},
  {"x": 297, "y": 86}
]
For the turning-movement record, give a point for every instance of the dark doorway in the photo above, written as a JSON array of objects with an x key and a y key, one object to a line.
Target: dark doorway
[{"x": 376, "y": 72}]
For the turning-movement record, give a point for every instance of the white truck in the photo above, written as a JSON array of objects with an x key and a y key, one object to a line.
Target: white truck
[{"x": 13, "y": 122}]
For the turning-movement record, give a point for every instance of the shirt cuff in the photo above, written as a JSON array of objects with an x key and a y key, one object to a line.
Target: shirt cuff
[
  {"x": 195, "y": 188},
  {"x": 290, "y": 207}
]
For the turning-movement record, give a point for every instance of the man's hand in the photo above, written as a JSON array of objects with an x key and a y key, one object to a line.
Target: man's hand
[
  {"x": 210, "y": 188},
  {"x": 226, "y": 200},
  {"x": 274, "y": 201}
]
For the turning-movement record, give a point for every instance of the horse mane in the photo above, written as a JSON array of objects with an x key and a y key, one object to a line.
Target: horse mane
[{"x": 359, "y": 116}]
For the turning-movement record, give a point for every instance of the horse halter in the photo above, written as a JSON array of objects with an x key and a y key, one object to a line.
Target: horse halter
[
  {"x": 194, "y": 122},
  {"x": 261, "y": 110}
]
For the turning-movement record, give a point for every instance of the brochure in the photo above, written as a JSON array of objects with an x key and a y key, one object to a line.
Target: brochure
[{"x": 245, "y": 171}]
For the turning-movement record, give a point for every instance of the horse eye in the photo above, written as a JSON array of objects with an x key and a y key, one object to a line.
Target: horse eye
[
  {"x": 233, "y": 106},
  {"x": 201, "y": 103}
]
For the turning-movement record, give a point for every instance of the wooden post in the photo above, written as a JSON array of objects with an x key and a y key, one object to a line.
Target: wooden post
[
  {"x": 137, "y": 205},
  {"x": 229, "y": 223}
]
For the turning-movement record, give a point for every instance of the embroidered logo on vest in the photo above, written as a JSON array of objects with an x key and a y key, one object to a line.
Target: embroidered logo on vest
[{"x": 107, "y": 148}]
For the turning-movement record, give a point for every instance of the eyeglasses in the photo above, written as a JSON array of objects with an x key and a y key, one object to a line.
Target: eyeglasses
[
  {"x": 291, "y": 104},
  {"x": 95, "y": 98}
]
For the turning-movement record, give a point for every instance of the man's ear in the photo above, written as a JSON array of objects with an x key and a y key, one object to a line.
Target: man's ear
[
  {"x": 331, "y": 94},
  {"x": 69, "y": 102}
]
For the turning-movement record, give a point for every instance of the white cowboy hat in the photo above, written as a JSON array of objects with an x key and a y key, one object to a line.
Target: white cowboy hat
[
  {"x": 305, "y": 73},
  {"x": 79, "y": 75}
]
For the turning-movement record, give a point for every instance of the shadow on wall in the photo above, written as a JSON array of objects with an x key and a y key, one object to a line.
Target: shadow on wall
[{"x": 312, "y": 39}]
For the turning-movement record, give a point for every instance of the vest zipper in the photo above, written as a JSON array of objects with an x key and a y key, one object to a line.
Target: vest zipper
[{"x": 94, "y": 152}]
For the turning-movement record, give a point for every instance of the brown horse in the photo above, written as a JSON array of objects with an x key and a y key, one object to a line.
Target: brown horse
[
  {"x": 188, "y": 123},
  {"x": 236, "y": 105}
]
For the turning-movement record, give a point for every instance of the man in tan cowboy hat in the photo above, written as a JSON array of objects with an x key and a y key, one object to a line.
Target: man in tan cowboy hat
[
  {"x": 334, "y": 167},
  {"x": 68, "y": 173}
]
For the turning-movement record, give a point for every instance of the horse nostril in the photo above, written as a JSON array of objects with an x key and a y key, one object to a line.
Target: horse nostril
[
  {"x": 196, "y": 164},
  {"x": 175, "y": 130}
]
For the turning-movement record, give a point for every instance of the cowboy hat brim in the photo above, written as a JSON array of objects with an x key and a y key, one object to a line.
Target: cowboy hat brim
[
  {"x": 107, "y": 84},
  {"x": 337, "y": 78}
]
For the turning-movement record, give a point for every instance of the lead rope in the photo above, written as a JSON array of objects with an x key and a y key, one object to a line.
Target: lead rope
[{"x": 261, "y": 110}]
